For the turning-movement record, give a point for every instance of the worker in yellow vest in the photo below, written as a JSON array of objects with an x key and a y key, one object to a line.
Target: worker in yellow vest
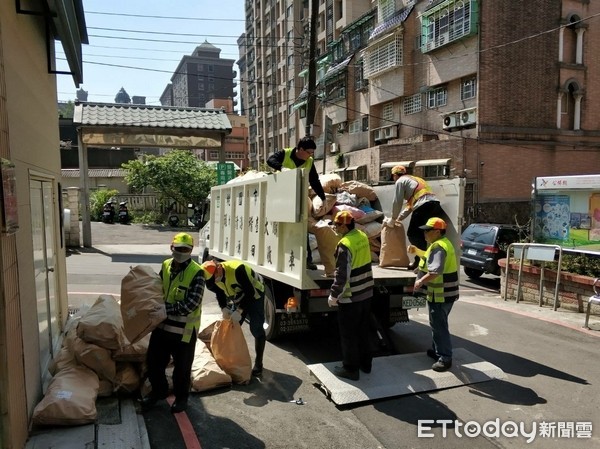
[
  {"x": 352, "y": 293},
  {"x": 440, "y": 281},
  {"x": 183, "y": 288},
  {"x": 300, "y": 157},
  {"x": 414, "y": 196},
  {"x": 240, "y": 293}
]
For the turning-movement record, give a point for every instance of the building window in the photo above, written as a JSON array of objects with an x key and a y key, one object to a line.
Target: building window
[
  {"x": 201, "y": 67},
  {"x": 468, "y": 88},
  {"x": 449, "y": 21},
  {"x": 365, "y": 123},
  {"x": 214, "y": 154},
  {"x": 211, "y": 68},
  {"x": 387, "y": 114},
  {"x": 359, "y": 81},
  {"x": 412, "y": 104},
  {"x": 437, "y": 97},
  {"x": 383, "y": 56},
  {"x": 386, "y": 8},
  {"x": 355, "y": 126}
]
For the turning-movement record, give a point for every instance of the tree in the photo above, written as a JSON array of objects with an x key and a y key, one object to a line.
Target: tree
[
  {"x": 122, "y": 96},
  {"x": 177, "y": 176}
]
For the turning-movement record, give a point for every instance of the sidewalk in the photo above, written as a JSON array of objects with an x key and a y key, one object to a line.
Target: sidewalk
[{"x": 115, "y": 248}]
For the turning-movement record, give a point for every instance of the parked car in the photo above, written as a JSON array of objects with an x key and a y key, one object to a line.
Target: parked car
[{"x": 483, "y": 244}]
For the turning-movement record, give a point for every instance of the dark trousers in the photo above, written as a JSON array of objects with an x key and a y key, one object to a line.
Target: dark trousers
[
  {"x": 419, "y": 217},
  {"x": 354, "y": 323},
  {"x": 164, "y": 345},
  {"x": 255, "y": 312}
]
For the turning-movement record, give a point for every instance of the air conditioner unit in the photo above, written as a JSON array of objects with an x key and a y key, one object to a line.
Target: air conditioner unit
[
  {"x": 390, "y": 132},
  {"x": 449, "y": 121},
  {"x": 334, "y": 148},
  {"x": 467, "y": 117},
  {"x": 342, "y": 127},
  {"x": 377, "y": 134}
]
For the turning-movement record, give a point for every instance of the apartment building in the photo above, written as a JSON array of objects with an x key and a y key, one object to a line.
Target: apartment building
[
  {"x": 480, "y": 89},
  {"x": 199, "y": 78}
]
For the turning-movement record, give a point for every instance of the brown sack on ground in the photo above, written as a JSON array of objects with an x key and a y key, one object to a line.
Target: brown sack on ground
[
  {"x": 206, "y": 373},
  {"x": 132, "y": 352},
  {"x": 230, "y": 351},
  {"x": 102, "y": 325},
  {"x": 393, "y": 247},
  {"x": 70, "y": 399},
  {"x": 96, "y": 358},
  {"x": 64, "y": 359},
  {"x": 127, "y": 379},
  {"x": 141, "y": 292}
]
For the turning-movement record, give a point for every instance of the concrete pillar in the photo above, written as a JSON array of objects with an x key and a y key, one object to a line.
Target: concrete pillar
[
  {"x": 577, "y": 117},
  {"x": 579, "y": 54},
  {"x": 72, "y": 237}
]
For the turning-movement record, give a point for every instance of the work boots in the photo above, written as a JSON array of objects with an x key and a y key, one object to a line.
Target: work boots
[{"x": 259, "y": 347}]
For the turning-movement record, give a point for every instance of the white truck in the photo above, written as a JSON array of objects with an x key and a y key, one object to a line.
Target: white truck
[{"x": 263, "y": 222}]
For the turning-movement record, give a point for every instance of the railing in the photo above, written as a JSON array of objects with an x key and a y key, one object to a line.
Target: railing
[
  {"x": 533, "y": 251},
  {"x": 148, "y": 202}
]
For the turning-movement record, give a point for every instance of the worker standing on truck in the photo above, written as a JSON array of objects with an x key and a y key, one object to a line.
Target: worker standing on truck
[
  {"x": 441, "y": 283},
  {"x": 300, "y": 157},
  {"x": 235, "y": 282},
  {"x": 183, "y": 288},
  {"x": 420, "y": 201},
  {"x": 351, "y": 291}
]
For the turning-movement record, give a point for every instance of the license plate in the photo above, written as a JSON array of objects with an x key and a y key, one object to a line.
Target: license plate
[
  {"x": 412, "y": 302},
  {"x": 472, "y": 251}
]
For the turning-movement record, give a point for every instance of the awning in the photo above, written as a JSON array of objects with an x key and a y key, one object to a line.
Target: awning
[
  {"x": 392, "y": 22},
  {"x": 354, "y": 168},
  {"x": 393, "y": 164},
  {"x": 338, "y": 68},
  {"x": 339, "y": 170},
  {"x": 430, "y": 162}
]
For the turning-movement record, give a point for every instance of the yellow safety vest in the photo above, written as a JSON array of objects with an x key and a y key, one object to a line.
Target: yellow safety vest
[
  {"x": 289, "y": 163},
  {"x": 422, "y": 189},
  {"x": 444, "y": 287},
  {"x": 360, "y": 280},
  {"x": 231, "y": 286},
  {"x": 175, "y": 290}
]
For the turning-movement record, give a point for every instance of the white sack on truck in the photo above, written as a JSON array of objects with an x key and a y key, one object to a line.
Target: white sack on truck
[
  {"x": 102, "y": 324},
  {"x": 229, "y": 348},
  {"x": 70, "y": 399},
  {"x": 141, "y": 292},
  {"x": 320, "y": 207},
  {"x": 206, "y": 373}
]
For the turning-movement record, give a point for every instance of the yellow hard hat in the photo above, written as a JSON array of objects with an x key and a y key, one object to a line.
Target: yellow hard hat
[
  {"x": 399, "y": 170},
  {"x": 210, "y": 266},
  {"x": 183, "y": 240}
]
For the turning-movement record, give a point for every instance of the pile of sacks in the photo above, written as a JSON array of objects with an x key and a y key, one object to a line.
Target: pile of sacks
[
  {"x": 104, "y": 352},
  {"x": 387, "y": 238}
]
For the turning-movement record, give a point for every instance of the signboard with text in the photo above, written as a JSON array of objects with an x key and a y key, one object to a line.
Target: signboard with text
[{"x": 225, "y": 172}]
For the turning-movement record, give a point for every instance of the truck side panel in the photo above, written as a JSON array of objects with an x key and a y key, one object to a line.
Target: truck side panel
[{"x": 263, "y": 222}]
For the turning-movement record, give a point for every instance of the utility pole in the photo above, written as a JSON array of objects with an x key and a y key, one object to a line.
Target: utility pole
[{"x": 311, "y": 102}]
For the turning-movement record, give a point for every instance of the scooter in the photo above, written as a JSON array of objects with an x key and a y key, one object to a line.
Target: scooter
[
  {"x": 173, "y": 219},
  {"x": 124, "y": 216},
  {"x": 108, "y": 213}
]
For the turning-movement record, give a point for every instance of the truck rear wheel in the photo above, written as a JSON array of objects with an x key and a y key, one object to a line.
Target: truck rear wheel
[{"x": 272, "y": 318}]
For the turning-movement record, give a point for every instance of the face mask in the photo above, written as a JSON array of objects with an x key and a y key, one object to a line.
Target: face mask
[{"x": 181, "y": 257}]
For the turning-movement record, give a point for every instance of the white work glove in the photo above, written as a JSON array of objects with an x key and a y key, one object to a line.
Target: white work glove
[
  {"x": 226, "y": 313},
  {"x": 387, "y": 221},
  {"x": 236, "y": 316},
  {"x": 332, "y": 301},
  {"x": 159, "y": 313}
]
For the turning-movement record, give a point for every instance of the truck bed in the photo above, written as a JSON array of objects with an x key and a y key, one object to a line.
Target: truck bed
[{"x": 388, "y": 276}]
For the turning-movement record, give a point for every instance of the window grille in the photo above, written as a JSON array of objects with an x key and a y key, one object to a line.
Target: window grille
[
  {"x": 468, "y": 89},
  {"x": 446, "y": 24},
  {"x": 383, "y": 56},
  {"x": 412, "y": 104}
]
